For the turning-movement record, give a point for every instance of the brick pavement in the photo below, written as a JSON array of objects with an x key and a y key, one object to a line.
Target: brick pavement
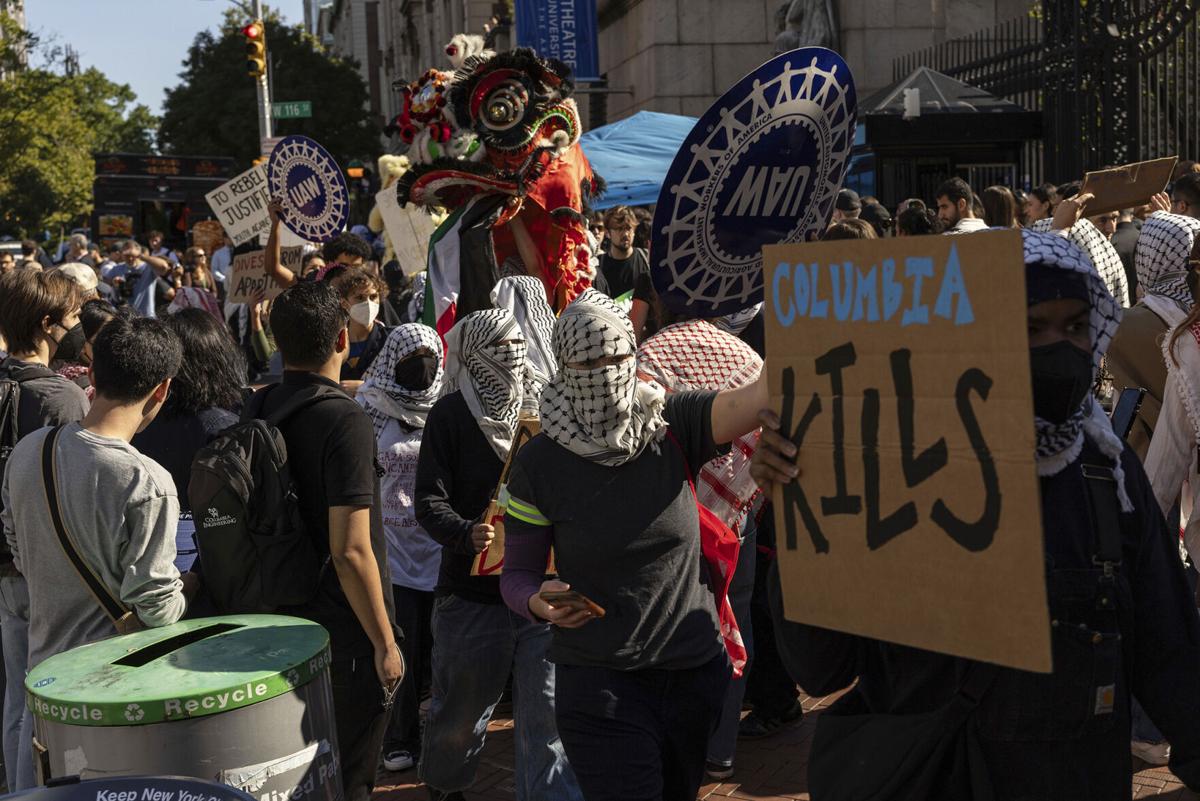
[{"x": 767, "y": 770}]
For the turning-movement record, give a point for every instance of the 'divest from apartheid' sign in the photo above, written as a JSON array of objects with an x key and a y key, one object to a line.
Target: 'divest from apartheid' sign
[
  {"x": 248, "y": 274},
  {"x": 900, "y": 368}
]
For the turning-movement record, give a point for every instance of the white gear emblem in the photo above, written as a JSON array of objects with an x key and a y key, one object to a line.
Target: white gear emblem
[
  {"x": 134, "y": 713},
  {"x": 306, "y": 177}
]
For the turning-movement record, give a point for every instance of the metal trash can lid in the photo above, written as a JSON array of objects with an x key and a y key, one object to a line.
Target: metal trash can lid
[{"x": 187, "y": 670}]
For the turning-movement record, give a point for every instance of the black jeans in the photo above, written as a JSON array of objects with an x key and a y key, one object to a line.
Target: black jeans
[
  {"x": 358, "y": 704},
  {"x": 414, "y": 609},
  {"x": 769, "y": 688},
  {"x": 639, "y": 735}
]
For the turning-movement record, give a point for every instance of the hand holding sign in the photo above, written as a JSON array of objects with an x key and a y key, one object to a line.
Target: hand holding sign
[{"x": 900, "y": 368}]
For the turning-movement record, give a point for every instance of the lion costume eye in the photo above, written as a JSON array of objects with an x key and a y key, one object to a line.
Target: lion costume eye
[{"x": 504, "y": 106}]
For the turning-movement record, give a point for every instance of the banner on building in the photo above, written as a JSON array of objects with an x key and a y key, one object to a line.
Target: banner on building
[
  {"x": 561, "y": 29},
  {"x": 900, "y": 368}
]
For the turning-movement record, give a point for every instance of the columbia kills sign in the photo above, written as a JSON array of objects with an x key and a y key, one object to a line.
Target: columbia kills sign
[{"x": 900, "y": 368}]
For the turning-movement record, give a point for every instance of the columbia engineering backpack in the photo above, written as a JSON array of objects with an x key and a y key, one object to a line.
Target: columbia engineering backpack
[{"x": 254, "y": 549}]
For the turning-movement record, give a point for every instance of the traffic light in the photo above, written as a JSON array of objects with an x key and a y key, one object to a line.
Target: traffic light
[{"x": 256, "y": 48}]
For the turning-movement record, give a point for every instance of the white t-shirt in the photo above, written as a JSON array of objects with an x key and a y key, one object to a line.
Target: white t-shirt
[{"x": 413, "y": 556}]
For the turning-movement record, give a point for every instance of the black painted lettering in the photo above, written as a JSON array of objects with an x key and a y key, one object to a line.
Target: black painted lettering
[
  {"x": 793, "y": 493},
  {"x": 831, "y": 364},
  {"x": 978, "y": 535},
  {"x": 933, "y": 458},
  {"x": 879, "y": 530}
]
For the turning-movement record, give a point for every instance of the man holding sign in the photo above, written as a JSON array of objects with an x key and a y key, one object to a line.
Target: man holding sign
[{"x": 1121, "y": 617}]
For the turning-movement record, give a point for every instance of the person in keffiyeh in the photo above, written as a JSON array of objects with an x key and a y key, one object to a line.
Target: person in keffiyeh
[
  {"x": 478, "y": 643},
  {"x": 525, "y": 297},
  {"x": 607, "y": 486},
  {"x": 1088, "y": 238},
  {"x": 399, "y": 389},
  {"x": 1162, "y": 260},
  {"x": 1121, "y": 616}
]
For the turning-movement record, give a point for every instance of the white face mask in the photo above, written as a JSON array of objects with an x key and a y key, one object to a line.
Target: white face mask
[{"x": 364, "y": 313}]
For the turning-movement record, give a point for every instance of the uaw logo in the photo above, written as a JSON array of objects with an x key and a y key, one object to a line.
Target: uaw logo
[
  {"x": 314, "y": 193},
  {"x": 762, "y": 166}
]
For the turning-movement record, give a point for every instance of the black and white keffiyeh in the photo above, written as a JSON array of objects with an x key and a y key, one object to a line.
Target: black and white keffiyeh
[
  {"x": 382, "y": 397},
  {"x": 488, "y": 373},
  {"x": 525, "y": 297},
  {"x": 606, "y": 415},
  {"x": 1100, "y": 252},
  {"x": 1161, "y": 260},
  {"x": 1059, "y": 444}
]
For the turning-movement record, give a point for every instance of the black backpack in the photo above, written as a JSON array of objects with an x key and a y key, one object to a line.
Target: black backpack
[
  {"x": 10, "y": 404},
  {"x": 254, "y": 549}
]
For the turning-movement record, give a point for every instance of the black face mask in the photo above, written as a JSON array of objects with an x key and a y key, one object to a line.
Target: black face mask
[
  {"x": 70, "y": 347},
  {"x": 416, "y": 373},
  {"x": 1062, "y": 378}
]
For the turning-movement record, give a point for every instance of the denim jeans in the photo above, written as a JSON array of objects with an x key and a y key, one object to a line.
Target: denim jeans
[
  {"x": 475, "y": 648},
  {"x": 640, "y": 735},
  {"x": 18, "y": 722},
  {"x": 724, "y": 740}
]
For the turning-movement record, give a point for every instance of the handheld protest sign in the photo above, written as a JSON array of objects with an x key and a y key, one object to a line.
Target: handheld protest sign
[
  {"x": 490, "y": 561},
  {"x": 763, "y": 165},
  {"x": 248, "y": 274},
  {"x": 1128, "y": 186},
  {"x": 240, "y": 205},
  {"x": 409, "y": 228},
  {"x": 316, "y": 202},
  {"x": 900, "y": 368}
]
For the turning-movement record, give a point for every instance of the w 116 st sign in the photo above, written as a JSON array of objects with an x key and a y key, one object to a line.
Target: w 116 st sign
[{"x": 291, "y": 110}]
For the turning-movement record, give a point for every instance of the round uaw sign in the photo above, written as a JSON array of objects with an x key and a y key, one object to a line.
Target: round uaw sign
[
  {"x": 311, "y": 186},
  {"x": 762, "y": 166}
]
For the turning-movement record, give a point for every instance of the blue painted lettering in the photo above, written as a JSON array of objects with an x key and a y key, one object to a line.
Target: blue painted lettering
[
  {"x": 953, "y": 286},
  {"x": 917, "y": 268}
]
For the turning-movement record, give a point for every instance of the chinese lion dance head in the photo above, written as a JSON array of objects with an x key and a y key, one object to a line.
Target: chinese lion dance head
[{"x": 498, "y": 145}]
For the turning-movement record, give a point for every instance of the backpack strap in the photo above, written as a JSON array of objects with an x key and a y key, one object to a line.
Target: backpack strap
[
  {"x": 123, "y": 619},
  {"x": 297, "y": 403},
  {"x": 1105, "y": 510}
]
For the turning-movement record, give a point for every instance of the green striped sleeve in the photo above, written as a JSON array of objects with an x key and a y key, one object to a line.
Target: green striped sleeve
[{"x": 526, "y": 512}]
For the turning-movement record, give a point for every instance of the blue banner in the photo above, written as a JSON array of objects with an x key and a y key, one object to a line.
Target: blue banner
[{"x": 561, "y": 29}]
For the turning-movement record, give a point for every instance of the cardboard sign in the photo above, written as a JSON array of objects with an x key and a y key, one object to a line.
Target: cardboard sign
[
  {"x": 1128, "y": 186},
  {"x": 311, "y": 187},
  {"x": 762, "y": 166},
  {"x": 241, "y": 205},
  {"x": 490, "y": 561},
  {"x": 408, "y": 227},
  {"x": 209, "y": 235},
  {"x": 900, "y": 368},
  {"x": 248, "y": 275}
]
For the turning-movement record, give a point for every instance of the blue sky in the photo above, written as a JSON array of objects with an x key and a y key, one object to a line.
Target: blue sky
[{"x": 138, "y": 42}]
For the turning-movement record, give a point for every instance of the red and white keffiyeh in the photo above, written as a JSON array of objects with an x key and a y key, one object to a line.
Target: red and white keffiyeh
[{"x": 696, "y": 355}]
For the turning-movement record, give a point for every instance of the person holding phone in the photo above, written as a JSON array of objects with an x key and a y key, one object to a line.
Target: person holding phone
[{"x": 639, "y": 685}]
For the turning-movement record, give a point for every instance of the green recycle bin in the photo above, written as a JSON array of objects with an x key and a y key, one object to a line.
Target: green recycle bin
[{"x": 244, "y": 700}]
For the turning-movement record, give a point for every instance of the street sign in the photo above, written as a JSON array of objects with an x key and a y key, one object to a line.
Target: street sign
[{"x": 291, "y": 110}]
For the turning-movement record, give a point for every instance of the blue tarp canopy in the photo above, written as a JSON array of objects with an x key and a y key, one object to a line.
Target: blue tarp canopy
[{"x": 633, "y": 155}]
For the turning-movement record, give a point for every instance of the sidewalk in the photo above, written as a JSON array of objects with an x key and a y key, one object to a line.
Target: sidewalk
[{"x": 767, "y": 770}]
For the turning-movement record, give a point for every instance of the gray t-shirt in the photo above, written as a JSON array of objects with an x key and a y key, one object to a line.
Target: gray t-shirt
[
  {"x": 628, "y": 537},
  {"x": 121, "y": 511}
]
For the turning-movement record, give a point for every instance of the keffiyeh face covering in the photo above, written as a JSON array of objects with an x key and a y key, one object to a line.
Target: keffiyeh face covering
[
  {"x": 384, "y": 396},
  {"x": 1161, "y": 258},
  {"x": 525, "y": 297},
  {"x": 1059, "y": 443},
  {"x": 487, "y": 360},
  {"x": 604, "y": 414}
]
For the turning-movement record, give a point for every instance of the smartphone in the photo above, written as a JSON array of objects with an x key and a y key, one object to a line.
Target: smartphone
[
  {"x": 573, "y": 599},
  {"x": 1125, "y": 410}
]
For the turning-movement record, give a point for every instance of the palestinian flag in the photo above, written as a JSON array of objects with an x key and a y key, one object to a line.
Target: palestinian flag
[{"x": 462, "y": 263}]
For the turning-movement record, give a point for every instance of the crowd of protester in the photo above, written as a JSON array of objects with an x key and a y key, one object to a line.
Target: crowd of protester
[{"x": 627, "y": 649}]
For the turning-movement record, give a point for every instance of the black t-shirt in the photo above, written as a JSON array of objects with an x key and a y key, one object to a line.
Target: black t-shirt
[
  {"x": 628, "y": 537},
  {"x": 331, "y": 455},
  {"x": 623, "y": 275},
  {"x": 172, "y": 440},
  {"x": 457, "y": 473}
]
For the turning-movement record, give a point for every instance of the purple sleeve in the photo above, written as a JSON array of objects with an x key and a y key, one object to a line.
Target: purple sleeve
[{"x": 526, "y": 554}]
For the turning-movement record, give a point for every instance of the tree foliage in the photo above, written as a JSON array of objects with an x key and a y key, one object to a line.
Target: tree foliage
[
  {"x": 214, "y": 112},
  {"x": 51, "y": 122}
]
